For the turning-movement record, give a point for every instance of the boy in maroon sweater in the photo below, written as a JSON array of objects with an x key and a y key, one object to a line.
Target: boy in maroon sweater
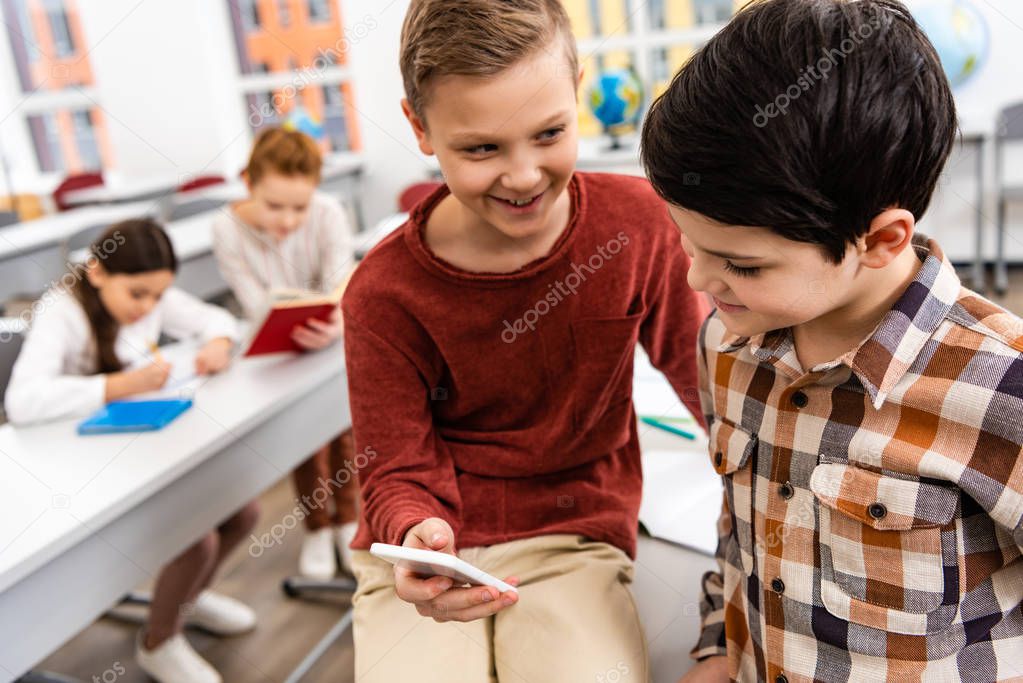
[{"x": 490, "y": 347}]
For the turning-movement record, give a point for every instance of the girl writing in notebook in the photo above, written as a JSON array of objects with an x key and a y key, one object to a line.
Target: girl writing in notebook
[
  {"x": 92, "y": 343},
  {"x": 286, "y": 235}
]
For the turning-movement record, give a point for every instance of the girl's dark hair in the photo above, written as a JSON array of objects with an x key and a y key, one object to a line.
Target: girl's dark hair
[
  {"x": 805, "y": 117},
  {"x": 130, "y": 247}
]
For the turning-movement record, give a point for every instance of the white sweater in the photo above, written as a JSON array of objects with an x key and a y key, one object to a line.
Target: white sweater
[
  {"x": 316, "y": 257},
  {"x": 55, "y": 374}
]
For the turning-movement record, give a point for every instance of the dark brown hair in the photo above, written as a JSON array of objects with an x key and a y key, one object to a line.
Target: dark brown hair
[
  {"x": 130, "y": 247},
  {"x": 287, "y": 152},
  {"x": 805, "y": 117},
  {"x": 477, "y": 38}
]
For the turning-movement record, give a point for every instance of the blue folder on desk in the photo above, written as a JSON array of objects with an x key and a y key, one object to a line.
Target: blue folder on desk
[{"x": 134, "y": 416}]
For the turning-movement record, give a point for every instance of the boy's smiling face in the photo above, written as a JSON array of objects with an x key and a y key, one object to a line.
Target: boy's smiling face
[
  {"x": 761, "y": 281},
  {"x": 507, "y": 144}
]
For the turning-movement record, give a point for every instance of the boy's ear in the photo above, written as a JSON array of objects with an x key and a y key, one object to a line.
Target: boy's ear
[
  {"x": 418, "y": 127},
  {"x": 890, "y": 233}
]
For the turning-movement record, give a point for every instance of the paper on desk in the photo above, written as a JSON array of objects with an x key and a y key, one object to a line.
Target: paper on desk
[
  {"x": 653, "y": 396},
  {"x": 681, "y": 491},
  {"x": 183, "y": 381},
  {"x": 681, "y": 497}
]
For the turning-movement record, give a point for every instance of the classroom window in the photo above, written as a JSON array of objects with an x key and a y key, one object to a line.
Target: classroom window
[
  {"x": 652, "y": 37},
  {"x": 85, "y": 136},
  {"x": 59, "y": 102},
  {"x": 248, "y": 13},
  {"x": 319, "y": 10},
  {"x": 295, "y": 61},
  {"x": 63, "y": 45},
  {"x": 335, "y": 122},
  {"x": 65, "y": 140}
]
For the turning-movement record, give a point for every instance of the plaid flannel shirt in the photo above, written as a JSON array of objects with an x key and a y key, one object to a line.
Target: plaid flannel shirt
[{"x": 873, "y": 517}]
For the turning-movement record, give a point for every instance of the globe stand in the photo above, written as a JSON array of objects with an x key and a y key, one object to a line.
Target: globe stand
[{"x": 616, "y": 142}]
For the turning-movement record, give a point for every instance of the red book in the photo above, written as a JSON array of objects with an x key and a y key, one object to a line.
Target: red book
[{"x": 291, "y": 309}]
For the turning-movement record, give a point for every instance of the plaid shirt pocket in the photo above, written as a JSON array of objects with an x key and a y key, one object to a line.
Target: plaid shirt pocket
[
  {"x": 733, "y": 454},
  {"x": 888, "y": 549}
]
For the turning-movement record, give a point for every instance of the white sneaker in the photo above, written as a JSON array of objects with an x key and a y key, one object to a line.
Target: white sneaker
[
  {"x": 174, "y": 661},
  {"x": 317, "y": 560},
  {"x": 219, "y": 614},
  {"x": 345, "y": 534}
]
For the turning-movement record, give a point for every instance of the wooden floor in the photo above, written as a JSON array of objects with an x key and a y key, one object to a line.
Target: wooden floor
[{"x": 288, "y": 628}]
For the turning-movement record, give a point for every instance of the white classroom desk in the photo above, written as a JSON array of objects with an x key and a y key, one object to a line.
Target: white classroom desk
[
  {"x": 85, "y": 519},
  {"x": 118, "y": 189},
  {"x": 31, "y": 256}
]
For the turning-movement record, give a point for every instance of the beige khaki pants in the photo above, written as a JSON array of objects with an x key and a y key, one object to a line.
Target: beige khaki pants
[{"x": 575, "y": 621}]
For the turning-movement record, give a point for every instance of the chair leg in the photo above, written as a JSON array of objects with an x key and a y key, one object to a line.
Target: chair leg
[{"x": 1001, "y": 270}]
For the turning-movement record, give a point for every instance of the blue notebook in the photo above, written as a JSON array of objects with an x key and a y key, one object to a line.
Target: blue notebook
[{"x": 134, "y": 416}]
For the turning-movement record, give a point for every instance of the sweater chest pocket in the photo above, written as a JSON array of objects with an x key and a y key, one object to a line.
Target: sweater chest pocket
[{"x": 603, "y": 350}]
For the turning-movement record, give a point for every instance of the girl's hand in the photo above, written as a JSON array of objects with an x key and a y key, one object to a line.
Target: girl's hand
[
  {"x": 710, "y": 670},
  {"x": 316, "y": 334},
  {"x": 214, "y": 356},
  {"x": 436, "y": 596},
  {"x": 131, "y": 382}
]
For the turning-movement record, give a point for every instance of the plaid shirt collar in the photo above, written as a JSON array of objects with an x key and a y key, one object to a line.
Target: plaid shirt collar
[{"x": 882, "y": 359}]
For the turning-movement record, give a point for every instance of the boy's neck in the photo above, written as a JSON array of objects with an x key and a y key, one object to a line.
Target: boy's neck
[
  {"x": 844, "y": 328},
  {"x": 459, "y": 236}
]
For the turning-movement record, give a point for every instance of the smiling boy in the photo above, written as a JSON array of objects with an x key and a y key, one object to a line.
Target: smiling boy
[
  {"x": 864, "y": 407},
  {"x": 490, "y": 344}
]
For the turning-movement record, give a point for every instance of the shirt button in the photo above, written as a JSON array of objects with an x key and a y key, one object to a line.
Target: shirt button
[
  {"x": 800, "y": 400},
  {"x": 718, "y": 458},
  {"x": 786, "y": 491},
  {"x": 877, "y": 510},
  {"x": 778, "y": 586},
  {"x": 781, "y": 678}
]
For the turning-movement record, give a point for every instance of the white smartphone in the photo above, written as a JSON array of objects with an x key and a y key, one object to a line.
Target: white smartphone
[{"x": 433, "y": 563}]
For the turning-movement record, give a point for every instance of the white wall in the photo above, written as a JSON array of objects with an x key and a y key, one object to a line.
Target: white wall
[
  {"x": 394, "y": 160},
  {"x": 952, "y": 216},
  {"x": 185, "y": 114}
]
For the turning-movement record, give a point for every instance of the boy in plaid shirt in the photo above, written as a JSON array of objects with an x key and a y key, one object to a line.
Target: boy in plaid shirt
[{"x": 865, "y": 408}]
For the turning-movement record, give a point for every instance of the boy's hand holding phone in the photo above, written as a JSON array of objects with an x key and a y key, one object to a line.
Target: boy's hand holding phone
[{"x": 437, "y": 596}]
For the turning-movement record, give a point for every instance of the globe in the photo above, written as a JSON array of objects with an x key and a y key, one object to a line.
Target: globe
[
  {"x": 616, "y": 98},
  {"x": 959, "y": 34},
  {"x": 299, "y": 119}
]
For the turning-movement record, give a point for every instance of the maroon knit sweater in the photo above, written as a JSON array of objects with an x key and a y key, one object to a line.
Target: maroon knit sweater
[{"x": 502, "y": 402}]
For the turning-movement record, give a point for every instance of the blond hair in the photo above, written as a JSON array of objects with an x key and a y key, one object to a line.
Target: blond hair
[
  {"x": 287, "y": 152},
  {"x": 477, "y": 38}
]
